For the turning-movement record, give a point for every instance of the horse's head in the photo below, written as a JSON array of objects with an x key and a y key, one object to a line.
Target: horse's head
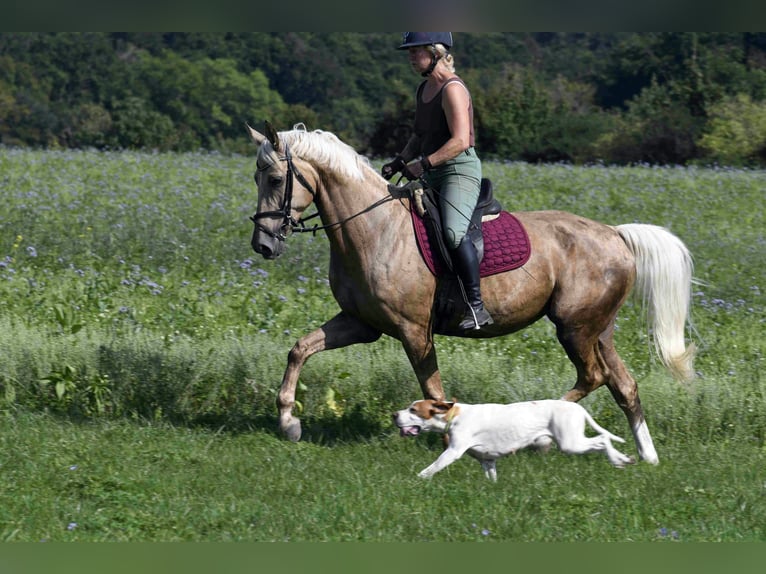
[{"x": 284, "y": 192}]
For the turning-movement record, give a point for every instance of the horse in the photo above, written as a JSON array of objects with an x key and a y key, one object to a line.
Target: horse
[{"x": 579, "y": 274}]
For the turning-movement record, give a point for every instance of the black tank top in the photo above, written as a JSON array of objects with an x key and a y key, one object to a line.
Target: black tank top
[{"x": 431, "y": 123}]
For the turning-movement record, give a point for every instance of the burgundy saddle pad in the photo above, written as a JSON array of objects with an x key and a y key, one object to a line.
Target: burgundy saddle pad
[{"x": 506, "y": 245}]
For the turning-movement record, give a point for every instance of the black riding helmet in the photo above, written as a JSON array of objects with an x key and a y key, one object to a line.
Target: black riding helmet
[{"x": 413, "y": 39}]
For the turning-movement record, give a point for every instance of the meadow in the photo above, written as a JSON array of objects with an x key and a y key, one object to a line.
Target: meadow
[{"x": 142, "y": 343}]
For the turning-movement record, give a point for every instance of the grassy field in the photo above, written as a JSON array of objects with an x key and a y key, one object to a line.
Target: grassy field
[{"x": 142, "y": 343}]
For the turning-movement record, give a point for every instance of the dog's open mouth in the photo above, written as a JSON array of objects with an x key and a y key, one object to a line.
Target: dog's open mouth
[{"x": 409, "y": 431}]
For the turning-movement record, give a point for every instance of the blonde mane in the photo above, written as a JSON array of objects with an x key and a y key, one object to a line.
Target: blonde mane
[{"x": 323, "y": 149}]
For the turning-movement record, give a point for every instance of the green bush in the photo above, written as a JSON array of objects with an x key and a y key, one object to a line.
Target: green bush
[
  {"x": 657, "y": 128},
  {"x": 736, "y": 132}
]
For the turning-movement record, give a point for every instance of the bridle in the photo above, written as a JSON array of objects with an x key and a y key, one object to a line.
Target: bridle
[{"x": 285, "y": 209}]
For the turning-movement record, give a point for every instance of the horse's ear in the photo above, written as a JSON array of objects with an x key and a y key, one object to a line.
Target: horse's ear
[
  {"x": 255, "y": 135},
  {"x": 271, "y": 134}
]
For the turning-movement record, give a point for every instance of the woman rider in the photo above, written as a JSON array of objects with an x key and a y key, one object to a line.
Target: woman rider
[{"x": 441, "y": 151}]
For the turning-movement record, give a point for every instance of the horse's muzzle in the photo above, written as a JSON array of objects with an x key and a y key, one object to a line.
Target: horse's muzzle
[
  {"x": 267, "y": 246},
  {"x": 267, "y": 251}
]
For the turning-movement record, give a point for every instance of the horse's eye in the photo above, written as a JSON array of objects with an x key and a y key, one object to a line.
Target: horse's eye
[{"x": 275, "y": 181}]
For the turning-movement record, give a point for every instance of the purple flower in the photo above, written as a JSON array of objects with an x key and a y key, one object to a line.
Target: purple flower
[{"x": 71, "y": 526}]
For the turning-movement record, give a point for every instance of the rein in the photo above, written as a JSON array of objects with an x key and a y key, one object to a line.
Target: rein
[{"x": 285, "y": 209}]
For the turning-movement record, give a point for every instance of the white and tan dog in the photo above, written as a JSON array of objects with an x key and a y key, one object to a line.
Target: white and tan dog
[{"x": 488, "y": 431}]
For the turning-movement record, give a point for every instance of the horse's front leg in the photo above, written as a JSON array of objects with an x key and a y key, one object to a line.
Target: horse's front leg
[
  {"x": 418, "y": 343},
  {"x": 340, "y": 331}
]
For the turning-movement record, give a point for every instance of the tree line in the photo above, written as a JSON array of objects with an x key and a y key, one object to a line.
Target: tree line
[{"x": 618, "y": 98}]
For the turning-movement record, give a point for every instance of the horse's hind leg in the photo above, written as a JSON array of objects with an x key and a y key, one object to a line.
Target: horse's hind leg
[
  {"x": 340, "y": 331},
  {"x": 597, "y": 363},
  {"x": 625, "y": 392},
  {"x": 581, "y": 346}
]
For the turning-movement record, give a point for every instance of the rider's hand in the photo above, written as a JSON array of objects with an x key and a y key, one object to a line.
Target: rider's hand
[
  {"x": 416, "y": 168},
  {"x": 393, "y": 167}
]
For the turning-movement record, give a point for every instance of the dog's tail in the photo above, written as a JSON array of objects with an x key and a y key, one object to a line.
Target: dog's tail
[{"x": 601, "y": 430}]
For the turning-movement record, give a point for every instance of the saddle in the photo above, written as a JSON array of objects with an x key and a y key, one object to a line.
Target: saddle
[{"x": 501, "y": 241}]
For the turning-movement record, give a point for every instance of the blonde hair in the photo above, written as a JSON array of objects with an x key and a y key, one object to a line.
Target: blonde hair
[{"x": 443, "y": 55}]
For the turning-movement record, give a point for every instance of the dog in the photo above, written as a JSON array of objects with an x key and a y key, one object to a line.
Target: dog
[{"x": 489, "y": 431}]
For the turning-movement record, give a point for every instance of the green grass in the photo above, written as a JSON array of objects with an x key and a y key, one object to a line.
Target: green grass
[
  {"x": 142, "y": 344},
  {"x": 122, "y": 481}
]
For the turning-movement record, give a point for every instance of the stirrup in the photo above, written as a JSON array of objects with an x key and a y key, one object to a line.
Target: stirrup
[{"x": 475, "y": 318}]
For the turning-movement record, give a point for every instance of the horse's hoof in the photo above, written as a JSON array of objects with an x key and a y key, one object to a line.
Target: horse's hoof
[{"x": 291, "y": 429}]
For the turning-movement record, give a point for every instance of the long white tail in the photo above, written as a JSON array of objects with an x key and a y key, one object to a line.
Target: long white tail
[{"x": 664, "y": 270}]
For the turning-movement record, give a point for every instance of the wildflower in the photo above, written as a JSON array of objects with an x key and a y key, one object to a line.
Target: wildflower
[
  {"x": 73, "y": 467},
  {"x": 31, "y": 251},
  {"x": 71, "y": 526},
  {"x": 664, "y": 533}
]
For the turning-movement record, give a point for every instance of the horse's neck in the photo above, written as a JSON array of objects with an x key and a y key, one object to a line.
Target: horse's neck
[{"x": 361, "y": 216}]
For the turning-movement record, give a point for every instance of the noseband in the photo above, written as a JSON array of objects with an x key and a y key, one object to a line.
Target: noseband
[{"x": 284, "y": 211}]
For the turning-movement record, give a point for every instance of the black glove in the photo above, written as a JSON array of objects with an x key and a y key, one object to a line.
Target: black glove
[
  {"x": 393, "y": 167},
  {"x": 416, "y": 168}
]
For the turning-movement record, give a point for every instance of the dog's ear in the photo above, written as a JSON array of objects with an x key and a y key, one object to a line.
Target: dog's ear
[{"x": 442, "y": 406}]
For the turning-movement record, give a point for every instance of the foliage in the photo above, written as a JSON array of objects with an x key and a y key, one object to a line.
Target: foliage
[
  {"x": 576, "y": 97},
  {"x": 656, "y": 129},
  {"x": 736, "y": 132},
  {"x": 132, "y": 273}
]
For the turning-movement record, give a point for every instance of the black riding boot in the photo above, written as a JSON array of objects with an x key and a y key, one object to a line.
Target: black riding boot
[{"x": 466, "y": 264}]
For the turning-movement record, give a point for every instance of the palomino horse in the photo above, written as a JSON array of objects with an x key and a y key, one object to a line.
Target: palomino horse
[{"x": 579, "y": 274}]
